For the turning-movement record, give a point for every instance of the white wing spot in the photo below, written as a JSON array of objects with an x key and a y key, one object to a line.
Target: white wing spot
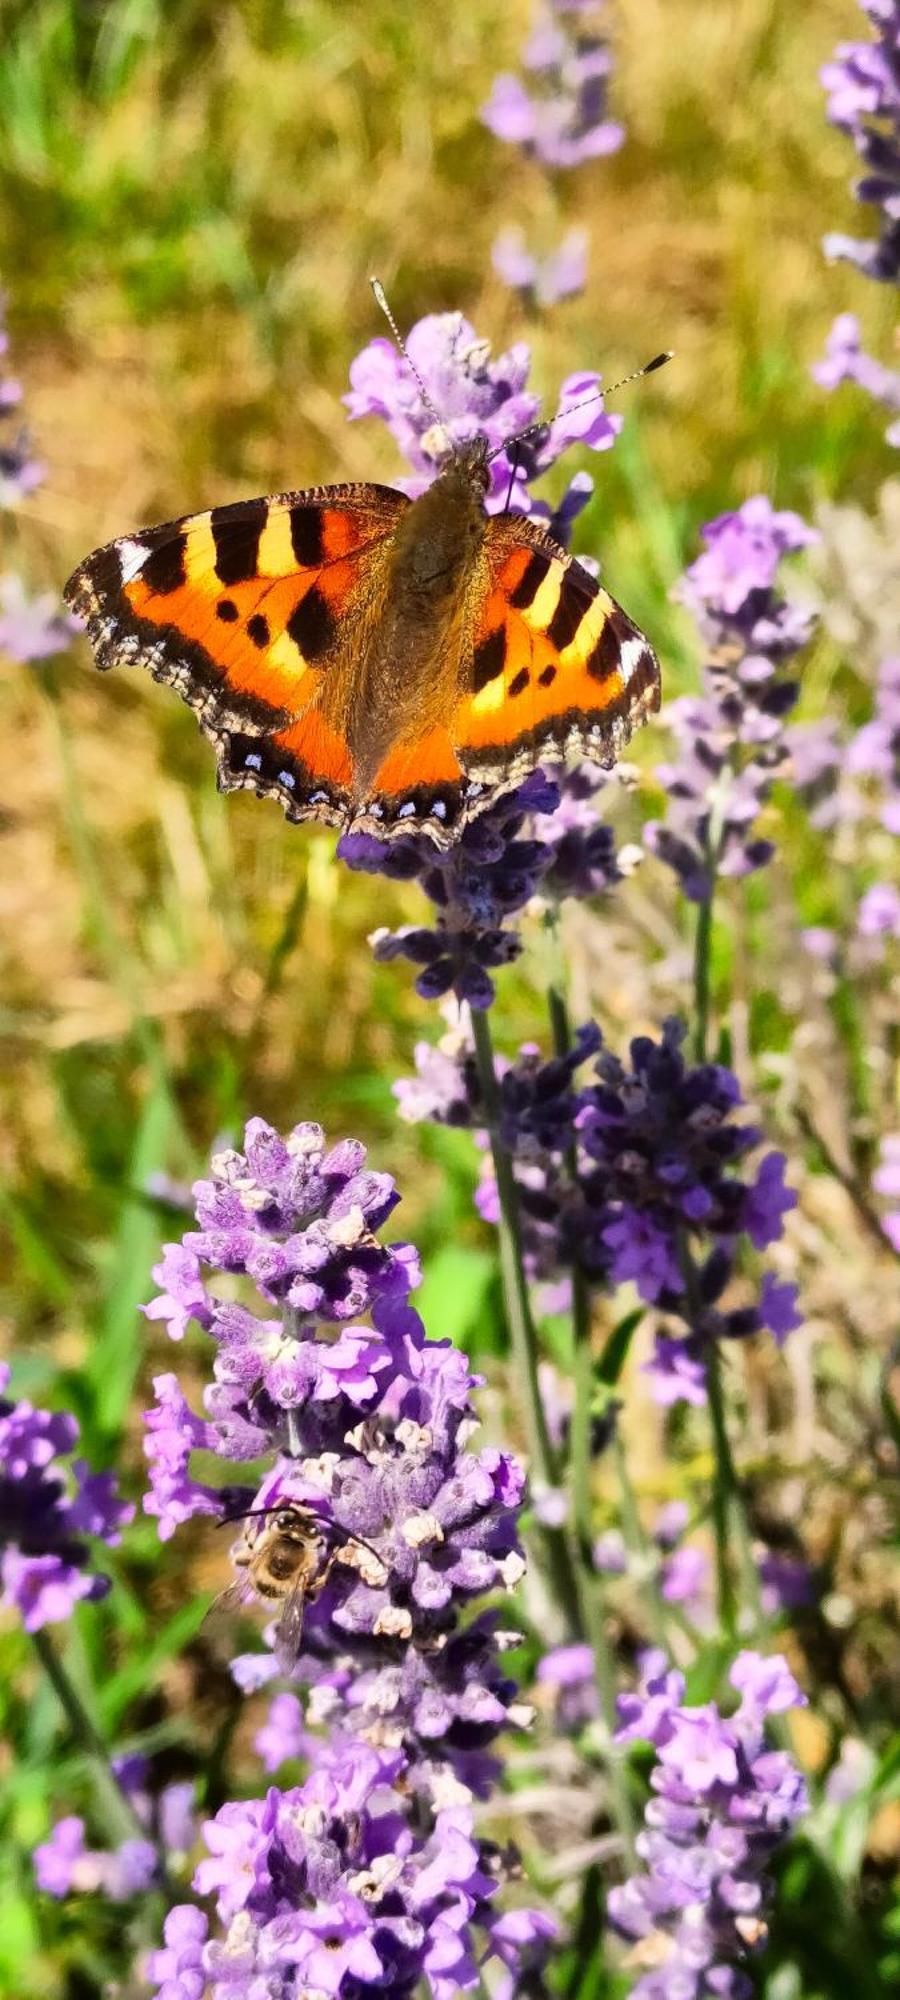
[
  {"x": 132, "y": 557},
  {"x": 633, "y": 652}
]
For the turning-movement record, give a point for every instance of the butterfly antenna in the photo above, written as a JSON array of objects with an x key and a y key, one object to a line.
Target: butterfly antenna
[
  {"x": 596, "y": 396},
  {"x": 381, "y": 300}
]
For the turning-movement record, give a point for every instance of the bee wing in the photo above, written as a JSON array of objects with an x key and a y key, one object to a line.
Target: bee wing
[
  {"x": 289, "y": 1630},
  {"x": 235, "y": 1595}
]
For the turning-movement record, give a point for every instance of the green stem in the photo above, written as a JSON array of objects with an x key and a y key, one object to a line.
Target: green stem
[
  {"x": 728, "y": 1509},
  {"x": 702, "y": 954},
  {"x": 724, "y": 1491},
  {"x": 592, "y": 1594},
  {"x": 522, "y": 1330},
  {"x": 122, "y": 1820},
  {"x": 637, "y": 1545},
  {"x": 725, "y": 1486},
  {"x": 591, "y": 1590}
]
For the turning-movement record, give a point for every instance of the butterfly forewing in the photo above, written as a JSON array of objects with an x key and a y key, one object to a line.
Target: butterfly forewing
[{"x": 244, "y": 610}]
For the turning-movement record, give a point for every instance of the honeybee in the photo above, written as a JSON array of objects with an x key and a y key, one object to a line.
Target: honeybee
[{"x": 287, "y": 1554}]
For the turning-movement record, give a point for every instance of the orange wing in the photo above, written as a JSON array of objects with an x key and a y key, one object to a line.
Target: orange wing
[
  {"x": 558, "y": 669},
  {"x": 241, "y": 610}
]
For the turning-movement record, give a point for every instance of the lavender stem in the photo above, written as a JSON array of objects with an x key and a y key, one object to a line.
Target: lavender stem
[
  {"x": 724, "y": 1490},
  {"x": 522, "y": 1330},
  {"x": 123, "y": 1821},
  {"x": 592, "y": 1596}
]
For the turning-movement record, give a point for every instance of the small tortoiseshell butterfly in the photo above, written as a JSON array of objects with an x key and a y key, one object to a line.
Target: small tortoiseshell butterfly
[{"x": 390, "y": 666}]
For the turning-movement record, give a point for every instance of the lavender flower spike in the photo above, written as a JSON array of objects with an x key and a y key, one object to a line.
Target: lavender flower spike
[
  {"x": 845, "y": 361},
  {"x": 723, "y": 1801},
  {"x": 370, "y": 1873},
  {"x": 46, "y": 1513},
  {"x": 863, "y": 85},
  {"x": 563, "y": 122},
  {"x": 326, "y": 1889},
  {"x": 731, "y": 738},
  {"x": 19, "y": 472},
  {"x": 542, "y": 281}
]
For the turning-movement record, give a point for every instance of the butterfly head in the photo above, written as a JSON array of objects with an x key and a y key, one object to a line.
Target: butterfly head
[{"x": 472, "y": 461}]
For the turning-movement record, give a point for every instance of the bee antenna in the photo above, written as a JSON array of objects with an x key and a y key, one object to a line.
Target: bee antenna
[
  {"x": 596, "y": 396},
  {"x": 256, "y": 1513},
  {"x": 381, "y": 300}
]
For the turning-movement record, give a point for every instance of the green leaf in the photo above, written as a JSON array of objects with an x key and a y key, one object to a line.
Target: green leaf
[
  {"x": 115, "y": 1355},
  {"x": 134, "y": 1679},
  {"x": 615, "y": 1352}
]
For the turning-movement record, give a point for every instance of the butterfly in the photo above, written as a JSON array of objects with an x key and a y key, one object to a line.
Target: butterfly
[{"x": 386, "y": 665}]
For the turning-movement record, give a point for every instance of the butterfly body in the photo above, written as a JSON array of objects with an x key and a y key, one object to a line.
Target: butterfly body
[
  {"x": 406, "y": 674},
  {"x": 385, "y": 665}
]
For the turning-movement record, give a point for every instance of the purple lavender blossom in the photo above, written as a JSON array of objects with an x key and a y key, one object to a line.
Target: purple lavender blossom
[
  {"x": 490, "y": 873},
  {"x": 330, "y": 1881},
  {"x": 562, "y": 121},
  {"x": 664, "y": 1142},
  {"x": 33, "y": 628},
  {"x": 479, "y": 397},
  {"x": 845, "y": 361},
  {"x": 886, "y": 1182},
  {"x": 368, "y": 1427},
  {"x": 863, "y": 85},
  {"x": 874, "y": 752},
  {"x": 723, "y": 1801},
  {"x": 47, "y": 1511},
  {"x": 677, "y": 1369},
  {"x": 731, "y": 738},
  {"x": 542, "y": 281},
  {"x": 284, "y": 1734},
  {"x": 473, "y": 394},
  {"x": 545, "y": 839},
  {"x": 676, "y": 1372},
  {"x": 786, "y": 1584},
  {"x": 879, "y": 912},
  {"x": 685, "y": 1579},
  {"x": 568, "y": 1672},
  {"x": 658, "y": 1149},
  {"x": 19, "y": 472},
  {"x": 64, "y": 1865}
]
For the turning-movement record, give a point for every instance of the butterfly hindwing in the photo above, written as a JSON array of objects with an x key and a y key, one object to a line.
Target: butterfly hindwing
[
  {"x": 244, "y": 609},
  {"x": 558, "y": 669}
]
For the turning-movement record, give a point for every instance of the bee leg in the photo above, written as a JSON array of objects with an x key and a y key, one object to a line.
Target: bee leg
[{"x": 323, "y": 1575}]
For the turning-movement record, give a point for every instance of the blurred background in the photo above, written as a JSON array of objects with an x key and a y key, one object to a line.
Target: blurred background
[{"x": 192, "y": 200}]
